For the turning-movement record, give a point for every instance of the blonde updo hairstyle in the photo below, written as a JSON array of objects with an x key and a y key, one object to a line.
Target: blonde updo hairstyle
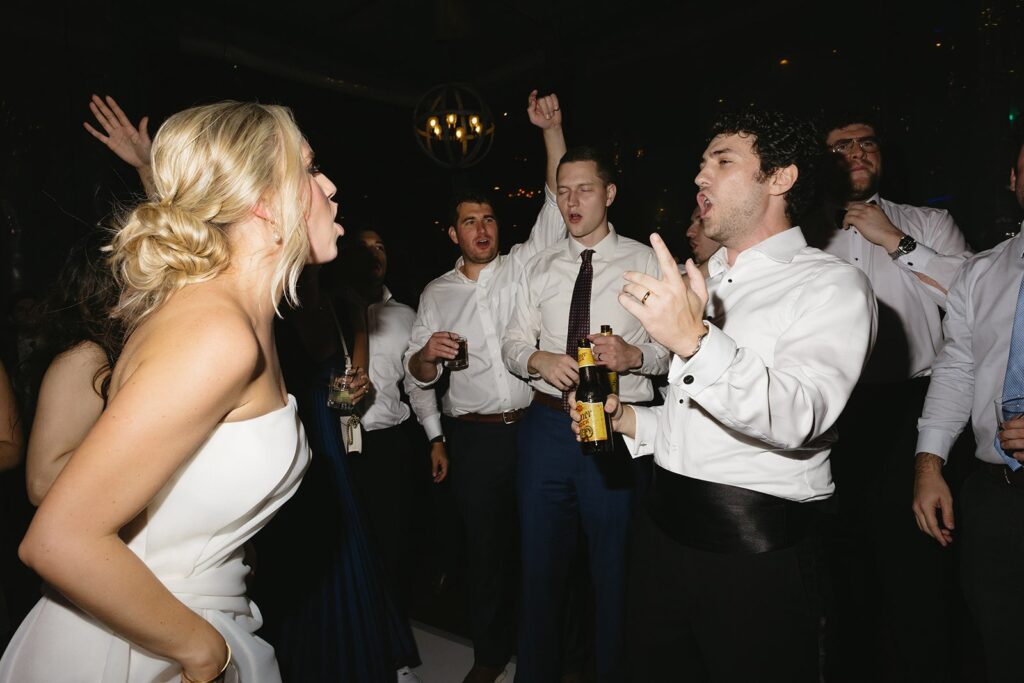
[{"x": 212, "y": 165}]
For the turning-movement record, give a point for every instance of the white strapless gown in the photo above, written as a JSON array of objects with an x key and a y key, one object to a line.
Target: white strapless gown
[{"x": 192, "y": 540}]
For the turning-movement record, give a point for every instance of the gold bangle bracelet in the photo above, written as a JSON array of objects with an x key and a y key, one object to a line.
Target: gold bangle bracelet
[{"x": 188, "y": 679}]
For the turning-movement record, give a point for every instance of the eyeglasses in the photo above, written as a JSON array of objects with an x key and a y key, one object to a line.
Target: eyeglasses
[{"x": 867, "y": 144}]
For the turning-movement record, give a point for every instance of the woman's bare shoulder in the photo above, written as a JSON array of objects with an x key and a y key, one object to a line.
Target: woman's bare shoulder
[
  {"x": 198, "y": 336},
  {"x": 83, "y": 355}
]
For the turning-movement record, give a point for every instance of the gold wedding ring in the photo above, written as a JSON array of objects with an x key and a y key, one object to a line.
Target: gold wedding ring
[{"x": 643, "y": 301}]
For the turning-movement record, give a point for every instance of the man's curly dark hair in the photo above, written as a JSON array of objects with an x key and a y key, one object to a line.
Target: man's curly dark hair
[{"x": 780, "y": 140}]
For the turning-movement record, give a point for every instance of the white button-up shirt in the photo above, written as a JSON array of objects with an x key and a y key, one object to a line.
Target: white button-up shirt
[
  {"x": 542, "y": 309},
  {"x": 389, "y": 324},
  {"x": 790, "y": 329},
  {"x": 968, "y": 375},
  {"x": 479, "y": 310},
  {"x": 910, "y": 325}
]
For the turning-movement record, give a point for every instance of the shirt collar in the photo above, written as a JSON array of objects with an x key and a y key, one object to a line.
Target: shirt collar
[
  {"x": 384, "y": 297},
  {"x": 485, "y": 273},
  {"x": 603, "y": 250},
  {"x": 781, "y": 247},
  {"x": 1018, "y": 241}
]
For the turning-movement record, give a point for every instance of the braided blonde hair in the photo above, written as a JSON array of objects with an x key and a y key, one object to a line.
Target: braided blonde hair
[{"x": 212, "y": 165}]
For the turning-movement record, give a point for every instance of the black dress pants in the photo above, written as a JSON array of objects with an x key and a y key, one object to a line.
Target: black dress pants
[
  {"x": 700, "y": 616},
  {"x": 892, "y": 587},
  {"x": 391, "y": 476},
  {"x": 990, "y": 530},
  {"x": 483, "y": 480}
]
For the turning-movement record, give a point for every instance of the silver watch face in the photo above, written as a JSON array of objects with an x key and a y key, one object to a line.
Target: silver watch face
[{"x": 907, "y": 244}]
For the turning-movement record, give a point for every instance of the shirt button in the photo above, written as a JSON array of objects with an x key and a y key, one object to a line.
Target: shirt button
[
  {"x": 730, "y": 280},
  {"x": 687, "y": 380},
  {"x": 910, "y": 263},
  {"x": 681, "y": 400}
]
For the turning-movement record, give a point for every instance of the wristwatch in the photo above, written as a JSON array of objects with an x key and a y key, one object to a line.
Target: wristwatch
[
  {"x": 907, "y": 244},
  {"x": 438, "y": 439}
]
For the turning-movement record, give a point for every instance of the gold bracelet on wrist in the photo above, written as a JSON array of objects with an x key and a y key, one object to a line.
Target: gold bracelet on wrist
[{"x": 227, "y": 662}]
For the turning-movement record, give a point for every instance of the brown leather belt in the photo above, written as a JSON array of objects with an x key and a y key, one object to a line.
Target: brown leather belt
[
  {"x": 508, "y": 417},
  {"x": 549, "y": 401}
]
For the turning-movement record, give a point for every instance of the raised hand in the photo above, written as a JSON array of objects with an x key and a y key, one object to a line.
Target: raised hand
[
  {"x": 671, "y": 309},
  {"x": 544, "y": 111},
  {"x": 130, "y": 143}
]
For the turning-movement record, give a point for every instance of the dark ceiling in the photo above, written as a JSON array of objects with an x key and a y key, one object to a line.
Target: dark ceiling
[{"x": 642, "y": 79}]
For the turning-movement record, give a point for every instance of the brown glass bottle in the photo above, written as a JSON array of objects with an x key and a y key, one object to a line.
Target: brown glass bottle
[
  {"x": 595, "y": 424},
  {"x": 613, "y": 377}
]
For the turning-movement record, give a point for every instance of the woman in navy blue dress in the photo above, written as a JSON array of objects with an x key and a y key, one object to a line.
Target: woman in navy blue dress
[{"x": 329, "y": 614}]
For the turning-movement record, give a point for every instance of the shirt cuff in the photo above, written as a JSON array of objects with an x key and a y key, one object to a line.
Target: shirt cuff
[
  {"x": 432, "y": 426},
  {"x": 934, "y": 441},
  {"x": 919, "y": 259},
  {"x": 704, "y": 368},
  {"x": 649, "y": 362},
  {"x": 522, "y": 364},
  {"x": 646, "y": 426},
  {"x": 428, "y": 383}
]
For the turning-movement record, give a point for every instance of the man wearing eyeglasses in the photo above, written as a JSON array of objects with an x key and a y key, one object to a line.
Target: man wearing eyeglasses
[{"x": 883, "y": 572}]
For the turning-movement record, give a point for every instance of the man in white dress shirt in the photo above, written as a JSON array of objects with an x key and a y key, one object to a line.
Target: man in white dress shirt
[
  {"x": 886, "y": 575},
  {"x": 560, "y": 489},
  {"x": 724, "y": 576},
  {"x": 967, "y": 378},
  {"x": 484, "y": 402}
]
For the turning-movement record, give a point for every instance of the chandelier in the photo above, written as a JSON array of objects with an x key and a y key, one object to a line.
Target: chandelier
[{"x": 453, "y": 125}]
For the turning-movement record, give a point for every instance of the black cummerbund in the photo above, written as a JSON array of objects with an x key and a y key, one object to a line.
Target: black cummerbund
[{"x": 726, "y": 519}]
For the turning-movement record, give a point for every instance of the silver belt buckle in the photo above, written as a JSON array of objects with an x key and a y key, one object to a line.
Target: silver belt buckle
[{"x": 506, "y": 417}]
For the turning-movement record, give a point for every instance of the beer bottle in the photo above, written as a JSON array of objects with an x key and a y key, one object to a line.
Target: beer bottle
[
  {"x": 613, "y": 377},
  {"x": 595, "y": 424}
]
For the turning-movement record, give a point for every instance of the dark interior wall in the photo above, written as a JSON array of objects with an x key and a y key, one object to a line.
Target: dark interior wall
[{"x": 643, "y": 79}]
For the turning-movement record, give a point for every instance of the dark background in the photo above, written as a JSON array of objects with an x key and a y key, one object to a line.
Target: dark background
[{"x": 643, "y": 79}]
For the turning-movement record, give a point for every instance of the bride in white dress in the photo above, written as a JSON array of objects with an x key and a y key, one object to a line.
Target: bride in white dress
[{"x": 140, "y": 537}]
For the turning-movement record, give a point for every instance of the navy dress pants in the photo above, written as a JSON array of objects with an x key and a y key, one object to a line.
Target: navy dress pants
[{"x": 561, "y": 491}]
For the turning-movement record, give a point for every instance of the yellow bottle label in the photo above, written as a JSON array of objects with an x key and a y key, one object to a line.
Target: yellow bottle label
[
  {"x": 593, "y": 424},
  {"x": 585, "y": 356},
  {"x": 613, "y": 381}
]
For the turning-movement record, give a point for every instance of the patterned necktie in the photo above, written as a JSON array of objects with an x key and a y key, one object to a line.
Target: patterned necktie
[
  {"x": 579, "y": 312},
  {"x": 1013, "y": 383}
]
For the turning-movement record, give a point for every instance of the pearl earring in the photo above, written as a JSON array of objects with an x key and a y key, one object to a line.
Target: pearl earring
[{"x": 277, "y": 237}]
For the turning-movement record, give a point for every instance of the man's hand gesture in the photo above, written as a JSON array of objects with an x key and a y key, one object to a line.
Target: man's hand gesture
[
  {"x": 544, "y": 111},
  {"x": 669, "y": 308}
]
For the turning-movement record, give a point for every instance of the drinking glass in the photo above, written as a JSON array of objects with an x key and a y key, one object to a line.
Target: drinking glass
[
  {"x": 1008, "y": 409},
  {"x": 339, "y": 390},
  {"x": 461, "y": 360}
]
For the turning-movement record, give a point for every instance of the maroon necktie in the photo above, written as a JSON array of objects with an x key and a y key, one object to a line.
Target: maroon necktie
[{"x": 579, "y": 312}]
